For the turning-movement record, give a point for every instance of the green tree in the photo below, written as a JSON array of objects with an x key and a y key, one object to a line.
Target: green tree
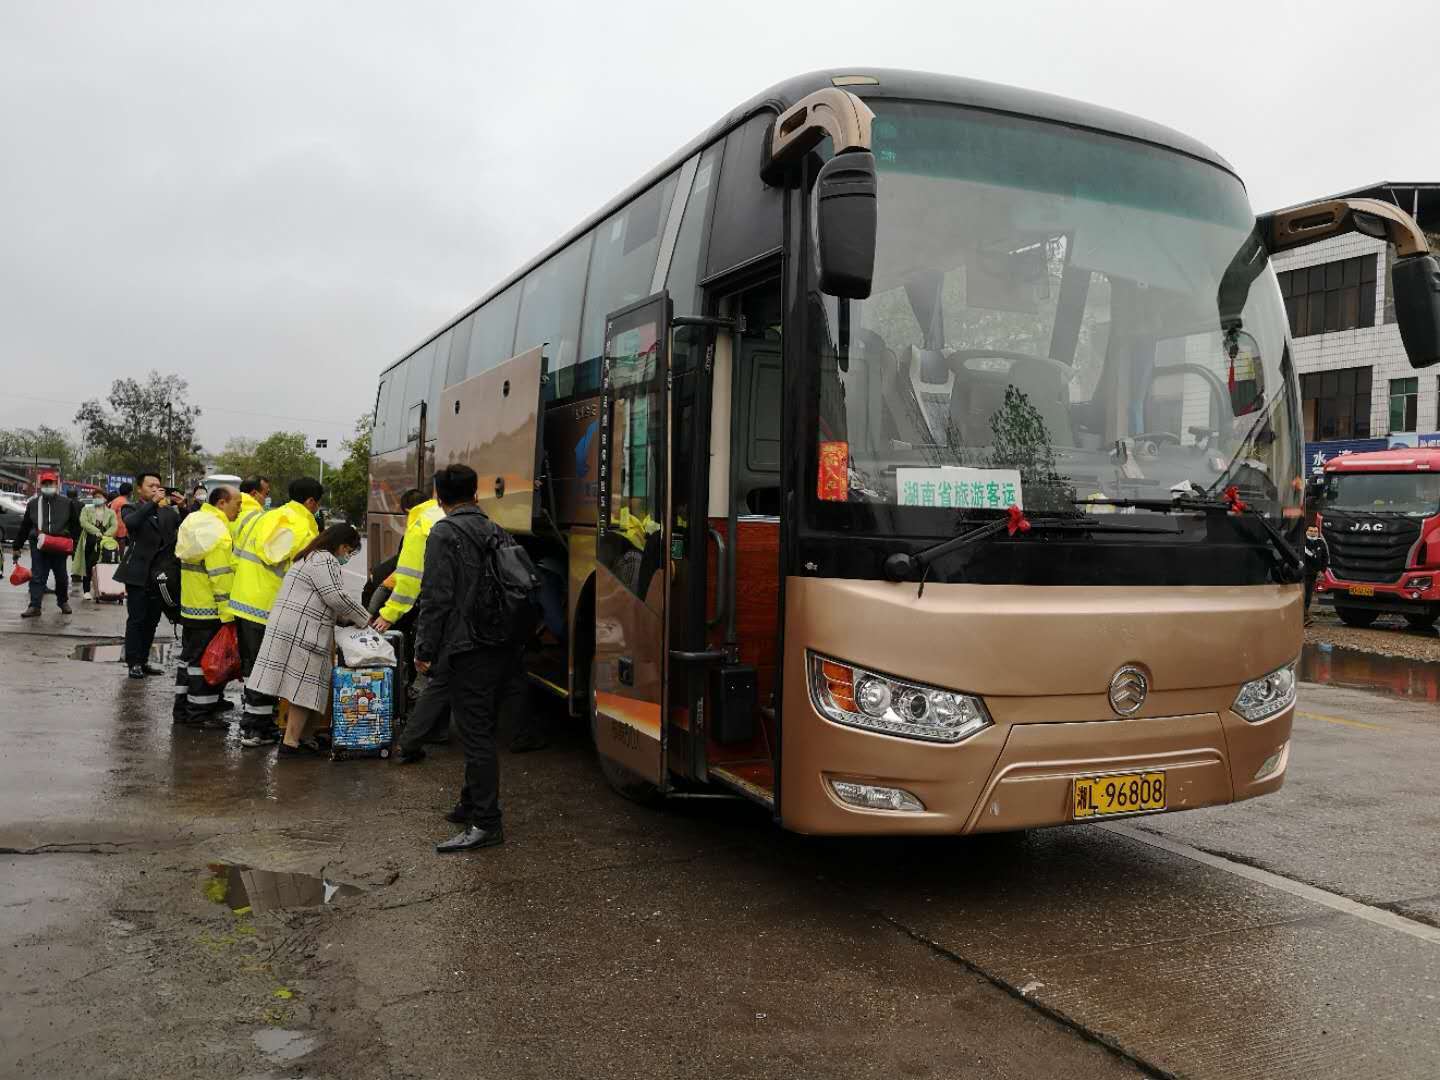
[
  {"x": 238, "y": 457},
  {"x": 350, "y": 484},
  {"x": 149, "y": 425},
  {"x": 285, "y": 456},
  {"x": 21, "y": 444}
]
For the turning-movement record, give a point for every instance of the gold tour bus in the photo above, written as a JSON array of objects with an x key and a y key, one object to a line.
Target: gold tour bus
[{"x": 908, "y": 454}]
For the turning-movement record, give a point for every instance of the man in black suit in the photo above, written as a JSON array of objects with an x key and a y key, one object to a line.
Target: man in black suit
[{"x": 152, "y": 524}]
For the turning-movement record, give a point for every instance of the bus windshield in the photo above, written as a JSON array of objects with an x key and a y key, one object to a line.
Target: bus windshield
[
  {"x": 1416, "y": 493},
  {"x": 1044, "y": 328}
]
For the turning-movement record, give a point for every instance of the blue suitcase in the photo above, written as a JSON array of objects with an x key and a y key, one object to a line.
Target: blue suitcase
[{"x": 364, "y": 714}]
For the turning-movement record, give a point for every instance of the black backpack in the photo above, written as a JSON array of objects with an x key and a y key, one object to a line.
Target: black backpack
[{"x": 505, "y": 610}]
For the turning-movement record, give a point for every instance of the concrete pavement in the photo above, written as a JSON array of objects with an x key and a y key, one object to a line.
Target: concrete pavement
[{"x": 606, "y": 939}]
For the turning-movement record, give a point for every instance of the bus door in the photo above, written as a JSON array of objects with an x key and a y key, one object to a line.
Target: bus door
[
  {"x": 415, "y": 436},
  {"x": 632, "y": 562}
]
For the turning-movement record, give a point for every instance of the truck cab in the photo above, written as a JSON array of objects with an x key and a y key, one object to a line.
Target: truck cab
[{"x": 1380, "y": 516}]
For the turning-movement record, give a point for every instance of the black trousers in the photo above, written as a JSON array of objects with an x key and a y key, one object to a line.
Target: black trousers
[
  {"x": 194, "y": 697},
  {"x": 44, "y": 565},
  {"x": 92, "y": 558},
  {"x": 257, "y": 711},
  {"x": 477, "y": 683},
  {"x": 142, "y": 615},
  {"x": 1309, "y": 590}
]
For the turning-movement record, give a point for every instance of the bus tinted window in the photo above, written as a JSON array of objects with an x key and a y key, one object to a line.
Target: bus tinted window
[
  {"x": 747, "y": 213},
  {"x": 395, "y": 408},
  {"x": 493, "y": 332},
  {"x": 550, "y": 312},
  {"x": 417, "y": 385},
  {"x": 621, "y": 267},
  {"x": 378, "y": 433},
  {"x": 459, "y": 351},
  {"x": 684, "y": 273},
  {"x": 437, "y": 381}
]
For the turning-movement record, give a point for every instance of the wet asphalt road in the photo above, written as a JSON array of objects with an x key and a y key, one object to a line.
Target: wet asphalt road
[{"x": 1293, "y": 936}]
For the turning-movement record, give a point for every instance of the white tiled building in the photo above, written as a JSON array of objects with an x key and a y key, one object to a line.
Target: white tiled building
[{"x": 1355, "y": 380}]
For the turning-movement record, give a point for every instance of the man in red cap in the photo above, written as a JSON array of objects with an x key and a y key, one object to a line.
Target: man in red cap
[{"x": 48, "y": 514}]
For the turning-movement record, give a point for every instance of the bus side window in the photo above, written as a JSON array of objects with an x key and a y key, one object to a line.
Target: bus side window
[
  {"x": 492, "y": 337},
  {"x": 550, "y": 313},
  {"x": 747, "y": 212},
  {"x": 438, "y": 369},
  {"x": 684, "y": 274},
  {"x": 395, "y": 408},
  {"x": 417, "y": 384},
  {"x": 378, "y": 433},
  {"x": 459, "y": 352}
]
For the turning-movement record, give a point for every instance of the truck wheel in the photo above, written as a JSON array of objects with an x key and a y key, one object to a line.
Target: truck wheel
[
  {"x": 1421, "y": 621},
  {"x": 1356, "y": 616},
  {"x": 625, "y": 782}
]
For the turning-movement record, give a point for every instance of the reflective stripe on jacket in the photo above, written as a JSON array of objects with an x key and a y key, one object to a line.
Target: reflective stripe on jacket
[
  {"x": 250, "y": 512},
  {"x": 205, "y": 584},
  {"x": 263, "y": 558},
  {"x": 410, "y": 568}
]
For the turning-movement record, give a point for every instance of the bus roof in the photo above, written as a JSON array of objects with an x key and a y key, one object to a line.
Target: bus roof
[
  {"x": 1401, "y": 459},
  {"x": 871, "y": 83}
]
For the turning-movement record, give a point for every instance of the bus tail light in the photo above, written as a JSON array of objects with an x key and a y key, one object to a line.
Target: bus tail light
[{"x": 859, "y": 698}]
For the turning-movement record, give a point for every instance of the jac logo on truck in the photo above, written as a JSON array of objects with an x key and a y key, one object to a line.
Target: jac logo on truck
[{"x": 1367, "y": 526}]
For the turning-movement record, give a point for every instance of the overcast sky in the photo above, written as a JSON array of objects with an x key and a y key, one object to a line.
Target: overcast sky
[{"x": 275, "y": 199}]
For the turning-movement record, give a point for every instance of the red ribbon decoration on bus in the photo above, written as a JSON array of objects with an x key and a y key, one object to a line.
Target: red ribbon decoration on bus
[
  {"x": 1018, "y": 522},
  {"x": 1232, "y": 496}
]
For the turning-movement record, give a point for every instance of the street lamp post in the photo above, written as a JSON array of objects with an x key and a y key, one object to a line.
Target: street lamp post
[{"x": 321, "y": 444}]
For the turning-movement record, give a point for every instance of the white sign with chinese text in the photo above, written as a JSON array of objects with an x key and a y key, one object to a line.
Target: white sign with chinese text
[{"x": 959, "y": 488}]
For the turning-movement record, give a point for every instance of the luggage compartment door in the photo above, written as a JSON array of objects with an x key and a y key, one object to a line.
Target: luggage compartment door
[
  {"x": 632, "y": 564},
  {"x": 491, "y": 422}
]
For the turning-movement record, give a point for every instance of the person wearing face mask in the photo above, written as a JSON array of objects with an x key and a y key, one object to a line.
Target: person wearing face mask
[
  {"x": 47, "y": 514},
  {"x": 98, "y": 523},
  {"x": 295, "y": 655},
  {"x": 254, "y": 501},
  {"x": 207, "y": 568}
]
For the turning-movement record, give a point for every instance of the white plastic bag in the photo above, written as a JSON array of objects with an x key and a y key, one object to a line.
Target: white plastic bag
[{"x": 363, "y": 646}]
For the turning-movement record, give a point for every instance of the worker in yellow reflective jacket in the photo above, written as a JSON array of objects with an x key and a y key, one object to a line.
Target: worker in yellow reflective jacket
[
  {"x": 261, "y": 561},
  {"x": 254, "y": 495},
  {"x": 207, "y": 570},
  {"x": 432, "y": 711}
]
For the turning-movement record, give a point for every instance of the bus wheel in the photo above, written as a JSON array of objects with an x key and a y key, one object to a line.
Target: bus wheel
[
  {"x": 1420, "y": 620},
  {"x": 1356, "y": 616},
  {"x": 625, "y": 782}
]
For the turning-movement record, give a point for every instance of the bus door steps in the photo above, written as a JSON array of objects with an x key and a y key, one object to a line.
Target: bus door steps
[{"x": 753, "y": 779}]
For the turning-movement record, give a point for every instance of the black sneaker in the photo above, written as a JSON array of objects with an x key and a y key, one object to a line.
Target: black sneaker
[
  {"x": 137, "y": 671},
  {"x": 65, "y": 609},
  {"x": 409, "y": 757},
  {"x": 471, "y": 839},
  {"x": 149, "y": 669},
  {"x": 30, "y": 613},
  {"x": 260, "y": 737}
]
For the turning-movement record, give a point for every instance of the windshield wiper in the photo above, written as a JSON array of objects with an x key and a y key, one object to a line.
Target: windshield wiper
[
  {"x": 1289, "y": 561},
  {"x": 903, "y": 566}
]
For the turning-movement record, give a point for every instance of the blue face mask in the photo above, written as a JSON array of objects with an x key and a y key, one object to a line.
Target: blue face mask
[{"x": 345, "y": 558}]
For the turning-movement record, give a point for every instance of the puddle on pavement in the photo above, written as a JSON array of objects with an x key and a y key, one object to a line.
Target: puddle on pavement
[
  {"x": 1365, "y": 671},
  {"x": 281, "y": 1044},
  {"x": 238, "y": 886},
  {"x": 113, "y": 652}
]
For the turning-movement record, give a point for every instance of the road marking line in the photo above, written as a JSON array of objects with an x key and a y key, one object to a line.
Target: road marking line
[
  {"x": 1342, "y": 720},
  {"x": 1334, "y": 901}
]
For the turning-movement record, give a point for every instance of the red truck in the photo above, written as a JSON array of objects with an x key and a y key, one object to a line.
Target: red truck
[{"x": 1380, "y": 517}]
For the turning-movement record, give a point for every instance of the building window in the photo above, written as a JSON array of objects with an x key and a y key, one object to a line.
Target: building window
[
  {"x": 1404, "y": 401},
  {"x": 1336, "y": 404},
  {"x": 1329, "y": 297}
]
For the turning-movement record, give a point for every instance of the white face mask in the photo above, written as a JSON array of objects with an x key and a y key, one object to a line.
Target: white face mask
[
  {"x": 267, "y": 502},
  {"x": 47, "y": 489},
  {"x": 97, "y": 501}
]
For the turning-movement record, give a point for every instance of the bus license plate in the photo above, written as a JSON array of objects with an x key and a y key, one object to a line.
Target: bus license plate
[
  {"x": 1122, "y": 793},
  {"x": 1362, "y": 590}
]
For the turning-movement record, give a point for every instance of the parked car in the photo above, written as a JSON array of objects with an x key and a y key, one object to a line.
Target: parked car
[{"x": 12, "y": 509}]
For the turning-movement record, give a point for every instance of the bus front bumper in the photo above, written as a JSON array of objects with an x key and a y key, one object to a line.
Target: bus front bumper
[{"x": 1020, "y": 772}]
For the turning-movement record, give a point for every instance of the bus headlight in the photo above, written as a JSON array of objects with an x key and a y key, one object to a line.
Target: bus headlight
[
  {"x": 1262, "y": 698},
  {"x": 858, "y": 698}
]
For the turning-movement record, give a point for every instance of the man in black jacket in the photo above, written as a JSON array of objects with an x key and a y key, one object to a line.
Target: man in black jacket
[
  {"x": 445, "y": 640},
  {"x": 152, "y": 524},
  {"x": 48, "y": 514}
]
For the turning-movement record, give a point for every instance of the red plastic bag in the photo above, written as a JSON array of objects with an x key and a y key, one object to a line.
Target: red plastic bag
[
  {"x": 62, "y": 544},
  {"x": 20, "y": 575},
  {"x": 221, "y": 660}
]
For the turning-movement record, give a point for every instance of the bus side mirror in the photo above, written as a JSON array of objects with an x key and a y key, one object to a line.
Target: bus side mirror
[
  {"x": 845, "y": 193},
  {"x": 1417, "y": 307}
]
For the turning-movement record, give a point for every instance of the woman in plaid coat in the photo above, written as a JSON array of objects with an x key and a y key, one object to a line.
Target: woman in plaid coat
[{"x": 294, "y": 661}]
